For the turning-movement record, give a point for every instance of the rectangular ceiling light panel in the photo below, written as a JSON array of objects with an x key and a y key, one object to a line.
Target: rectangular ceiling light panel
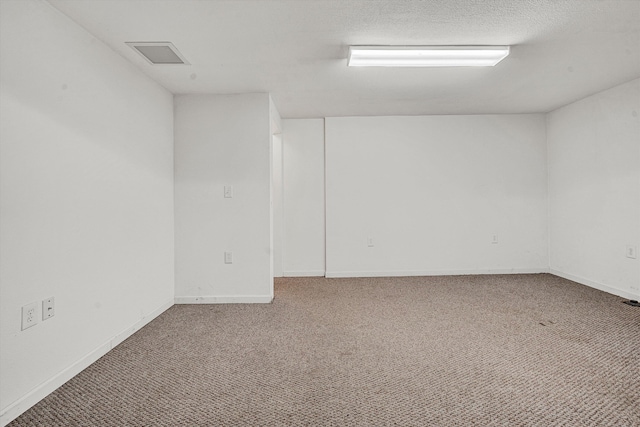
[
  {"x": 426, "y": 56},
  {"x": 158, "y": 53}
]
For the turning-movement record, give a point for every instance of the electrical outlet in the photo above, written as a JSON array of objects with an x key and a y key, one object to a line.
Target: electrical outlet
[
  {"x": 494, "y": 239},
  {"x": 29, "y": 315},
  {"x": 370, "y": 242},
  {"x": 48, "y": 308},
  {"x": 228, "y": 257},
  {"x": 632, "y": 252},
  {"x": 228, "y": 191}
]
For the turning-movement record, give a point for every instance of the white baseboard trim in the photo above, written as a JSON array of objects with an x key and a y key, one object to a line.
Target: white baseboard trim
[
  {"x": 311, "y": 273},
  {"x": 226, "y": 299},
  {"x": 592, "y": 284},
  {"x": 18, "y": 407},
  {"x": 337, "y": 274}
]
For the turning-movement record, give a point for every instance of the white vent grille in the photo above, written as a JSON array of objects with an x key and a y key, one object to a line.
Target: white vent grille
[{"x": 158, "y": 53}]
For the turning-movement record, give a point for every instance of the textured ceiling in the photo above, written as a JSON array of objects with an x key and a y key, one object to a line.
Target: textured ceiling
[{"x": 562, "y": 50}]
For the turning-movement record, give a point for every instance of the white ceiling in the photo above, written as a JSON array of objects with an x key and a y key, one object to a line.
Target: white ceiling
[{"x": 562, "y": 50}]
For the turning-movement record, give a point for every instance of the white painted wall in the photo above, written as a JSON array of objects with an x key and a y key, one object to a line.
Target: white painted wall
[
  {"x": 278, "y": 205},
  {"x": 594, "y": 189},
  {"x": 304, "y": 232},
  {"x": 431, "y": 191},
  {"x": 275, "y": 165},
  {"x": 86, "y": 196},
  {"x": 223, "y": 140}
]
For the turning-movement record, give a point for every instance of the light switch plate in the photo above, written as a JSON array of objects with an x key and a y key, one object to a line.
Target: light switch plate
[{"x": 48, "y": 308}]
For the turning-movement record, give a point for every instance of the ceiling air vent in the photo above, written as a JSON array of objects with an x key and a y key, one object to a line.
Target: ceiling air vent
[{"x": 158, "y": 53}]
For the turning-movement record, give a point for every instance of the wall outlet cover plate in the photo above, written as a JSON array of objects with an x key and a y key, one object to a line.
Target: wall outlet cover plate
[{"x": 29, "y": 315}]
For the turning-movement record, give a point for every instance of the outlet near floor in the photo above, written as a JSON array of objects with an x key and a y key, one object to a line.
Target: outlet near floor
[{"x": 29, "y": 315}]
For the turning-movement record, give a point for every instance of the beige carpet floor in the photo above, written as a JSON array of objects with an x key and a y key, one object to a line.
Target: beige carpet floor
[{"x": 512, "y": 350}]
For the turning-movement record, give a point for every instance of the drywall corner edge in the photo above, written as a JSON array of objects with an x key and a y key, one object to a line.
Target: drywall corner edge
[{"x": 18, "y": 407}]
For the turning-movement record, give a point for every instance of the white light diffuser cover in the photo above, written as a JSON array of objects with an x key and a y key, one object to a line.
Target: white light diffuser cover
[{"x": 426, "y": 56}]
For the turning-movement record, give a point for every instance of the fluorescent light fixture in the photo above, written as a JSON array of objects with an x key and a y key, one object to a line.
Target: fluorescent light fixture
[
  {"x": 158, "y": 53},
  {"x": 426, "y": 56}
]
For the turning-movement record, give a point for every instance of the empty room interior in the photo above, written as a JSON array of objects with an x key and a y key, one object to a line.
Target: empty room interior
[{"x": 319, "y": 213}]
